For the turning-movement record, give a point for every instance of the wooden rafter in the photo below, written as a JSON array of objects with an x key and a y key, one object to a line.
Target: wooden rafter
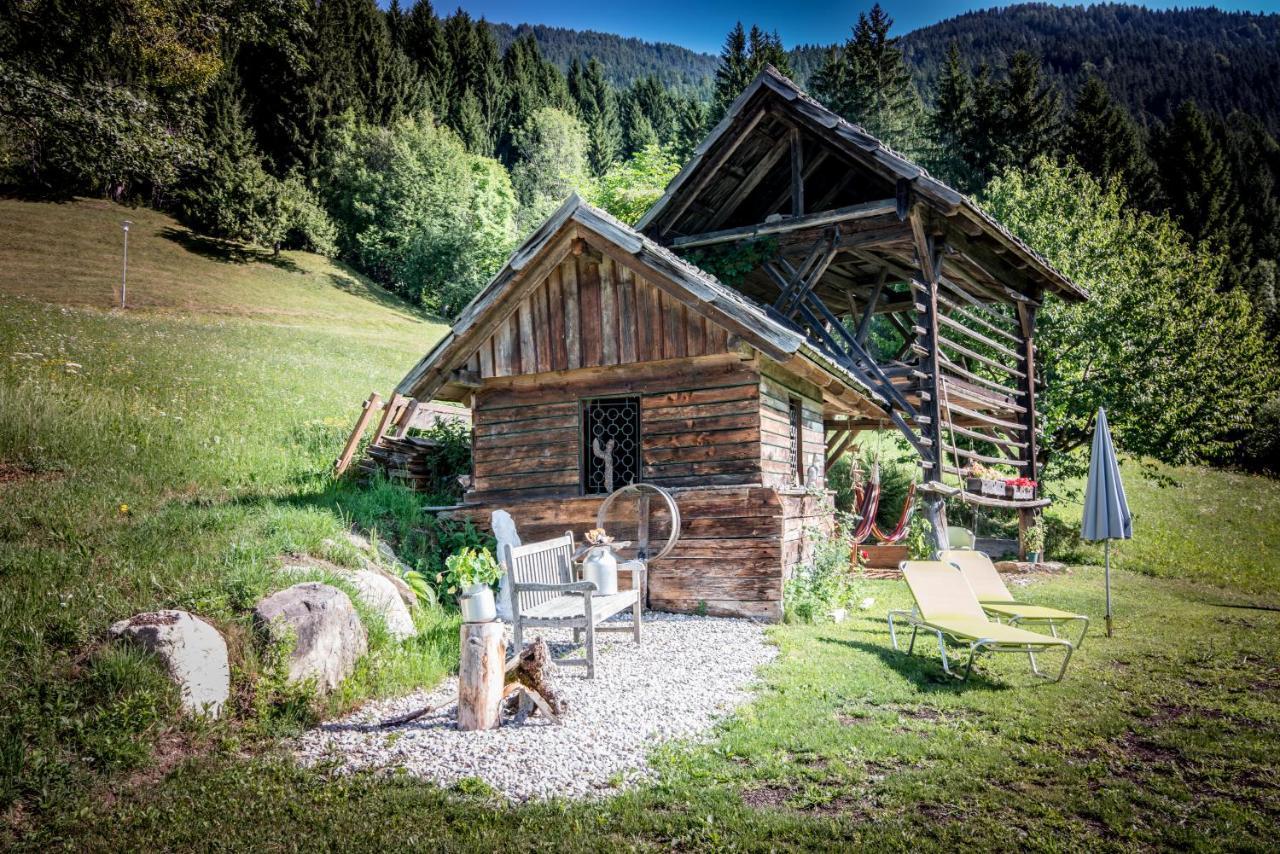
[{"x": 784, "y": 226}]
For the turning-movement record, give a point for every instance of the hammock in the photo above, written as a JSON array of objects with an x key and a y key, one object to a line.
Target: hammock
[
  {"x": 904, "y": 521},
  {"x": 869, "y": 499}
]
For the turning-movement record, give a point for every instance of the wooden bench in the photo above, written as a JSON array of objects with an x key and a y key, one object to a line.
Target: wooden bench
[{"x": 546, "y": 594}]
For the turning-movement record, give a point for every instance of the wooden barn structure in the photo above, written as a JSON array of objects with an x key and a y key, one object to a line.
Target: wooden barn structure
[{"x": 598, "y": 335}]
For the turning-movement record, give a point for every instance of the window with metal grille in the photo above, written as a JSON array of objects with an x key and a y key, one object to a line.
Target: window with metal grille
[
  {"x": 795, "y": 448},
  {"x": 610, "y": 444}
]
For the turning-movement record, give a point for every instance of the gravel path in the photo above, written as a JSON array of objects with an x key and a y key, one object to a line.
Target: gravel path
[{"x": 687, "y": 673}]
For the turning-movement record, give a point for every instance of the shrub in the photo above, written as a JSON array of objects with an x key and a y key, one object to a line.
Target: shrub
[{"x": 823, "y": 584}]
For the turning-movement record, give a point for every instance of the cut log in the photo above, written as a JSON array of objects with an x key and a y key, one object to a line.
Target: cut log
[
  {"x": 480, "y": 673},
  {"x": 531, "y": 668}
]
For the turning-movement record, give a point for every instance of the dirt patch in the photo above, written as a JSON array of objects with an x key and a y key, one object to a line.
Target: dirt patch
[
  {"x": 852, "y": 720},
  {"x": 768, "y": 797},
  {"x": 154, "y": 620},
  {"x": 14, "y": 473},
  {"x": 919, "y": 713}
]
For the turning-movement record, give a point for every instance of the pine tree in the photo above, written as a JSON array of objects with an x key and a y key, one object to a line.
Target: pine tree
[
  {"x": 1030, "y": 112},
  {"x": 1196, "y": 180},
  {"x": 597, "y": 104},
  {"x": 949, "y": 121},
  {"x": 421, "y": 37},
  {"x": 1103, "y": 138},
  {"x": 868, "y": 83},
  {"x": 637, "y": 131},
  {"x": 741, "y": 59},
  {"x": 691, "y": 121},
  {"x": 733, "y": 73}
]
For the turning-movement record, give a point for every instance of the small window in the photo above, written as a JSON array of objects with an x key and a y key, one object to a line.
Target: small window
[
  {"x": 610, "y": 444},
  {"x": 795, "y": 416}
]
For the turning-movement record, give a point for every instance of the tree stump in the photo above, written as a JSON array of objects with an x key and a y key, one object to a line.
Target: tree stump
[
  {"x": 530, "y": 668},
  {"x": 480, "y": 676}
]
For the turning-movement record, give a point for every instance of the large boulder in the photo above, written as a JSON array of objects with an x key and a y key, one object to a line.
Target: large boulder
[
  {"x": 383, "y": 560},
  {"x": 377, "y": 592},
  {"x": 193, "y": 652},
  {"x": 327, "y": 633}
]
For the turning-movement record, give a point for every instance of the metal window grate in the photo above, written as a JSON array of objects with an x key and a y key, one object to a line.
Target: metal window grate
[
  {"x": 610, "y": 444},
  {"x": 795, "y": 445}
]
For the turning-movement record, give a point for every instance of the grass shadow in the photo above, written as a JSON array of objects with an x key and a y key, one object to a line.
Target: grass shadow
[
  {"x": 349, "y": 282},
  {"x": 226, "y": 251},
  {"x": 925, "y": 673}
]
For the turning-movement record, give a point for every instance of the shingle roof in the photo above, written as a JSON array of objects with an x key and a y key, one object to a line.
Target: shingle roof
[
  {"x": 773, "y": 335},
  {"x": 891, "y": 161}
]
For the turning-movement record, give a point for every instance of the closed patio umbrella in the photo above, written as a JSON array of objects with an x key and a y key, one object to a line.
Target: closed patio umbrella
[{"x": 1106, "y": 512}]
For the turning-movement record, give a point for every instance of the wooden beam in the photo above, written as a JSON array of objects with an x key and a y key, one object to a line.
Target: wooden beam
[
  {"x": 709, "y": 171},
  {"x": 749, "y": 182},
  {"x": 865, "y": 326},
  {"x": 782, "y": 226},
  {"x": 797, "y": 173},
  {"x": 349, "y": 449},
  {"x": 1027, "y": 316},
  {"x": 810, "y": 167}
]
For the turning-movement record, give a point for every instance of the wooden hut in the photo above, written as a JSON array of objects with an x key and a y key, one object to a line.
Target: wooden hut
[{"x": 596, "y": 334}]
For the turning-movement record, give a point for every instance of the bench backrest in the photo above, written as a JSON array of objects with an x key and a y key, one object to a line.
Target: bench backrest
[{"x": 547, "y": 562}]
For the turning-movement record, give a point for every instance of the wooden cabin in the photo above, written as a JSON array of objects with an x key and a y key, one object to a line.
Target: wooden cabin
[{"x": 597, "y": 335}]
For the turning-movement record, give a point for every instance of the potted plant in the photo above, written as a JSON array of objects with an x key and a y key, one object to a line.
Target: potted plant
[
  {"x": 469, "y": 574},
  {"x": 1033, "y": 539},
  {"x": 1021, "y": 488},
  {"x": 984, "y": 480}
]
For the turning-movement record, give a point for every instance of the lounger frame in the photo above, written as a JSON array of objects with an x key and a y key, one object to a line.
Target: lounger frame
[{"x": 976, "y": 646}]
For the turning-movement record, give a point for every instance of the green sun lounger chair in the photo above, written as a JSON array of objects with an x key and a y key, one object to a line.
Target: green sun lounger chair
[
  {"x": 946, "y": 606},
  {"x": 999, "y": 603}
]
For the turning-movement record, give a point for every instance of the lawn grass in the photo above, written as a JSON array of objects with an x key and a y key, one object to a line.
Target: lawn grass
[
  {"x": 1164, "y": 736},
  {"x": 1219, "y": 527},
  {"x": 213, "y": 412}
]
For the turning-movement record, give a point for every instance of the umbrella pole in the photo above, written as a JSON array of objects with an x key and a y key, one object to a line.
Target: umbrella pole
[{"x": 1107, "y": 551}]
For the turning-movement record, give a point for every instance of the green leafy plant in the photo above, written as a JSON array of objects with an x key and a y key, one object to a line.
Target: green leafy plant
[
  {"x": 731, "y": 265},
  {"x": 1034, "y": 537},
  {"x": 468, "y": 567},
  {"x": 920, "y": 543},
  {"x": 826, "y": 582}
]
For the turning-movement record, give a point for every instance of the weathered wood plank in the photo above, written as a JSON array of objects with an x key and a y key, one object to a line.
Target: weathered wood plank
[
  {"x": 528, "y": 350},
  {"x": 627, "y": 326},
  {"x": 572, "y": 312},
  {"x": 589, "y": 307},
  {"x": 556, "y": 321},
  {"x": 608, "y": 313}
]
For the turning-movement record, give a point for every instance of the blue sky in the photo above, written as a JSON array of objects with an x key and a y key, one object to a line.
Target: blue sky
[{"x": 702, "y": 25}]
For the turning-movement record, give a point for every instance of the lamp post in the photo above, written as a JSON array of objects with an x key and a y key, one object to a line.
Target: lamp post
[{"x": 124, "y": 275}]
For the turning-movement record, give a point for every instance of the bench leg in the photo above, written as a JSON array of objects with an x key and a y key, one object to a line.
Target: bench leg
[
  {"x": 635, "y": 620},
  {"x": 577, "y": 636},
  {"x": 517, "y": 636},
  {"x": 591, "y": 649}
]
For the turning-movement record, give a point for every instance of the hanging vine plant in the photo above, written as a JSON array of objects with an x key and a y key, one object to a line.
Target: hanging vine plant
[{"x": 731, "y": 264}]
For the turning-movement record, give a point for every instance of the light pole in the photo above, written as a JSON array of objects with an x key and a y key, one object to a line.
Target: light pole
[{"x": 124, "y": 275}]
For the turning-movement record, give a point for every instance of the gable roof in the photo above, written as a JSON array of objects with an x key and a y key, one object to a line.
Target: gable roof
[
  {"x": 763, "y": 329},
  {"x": 866, "y": 149}
]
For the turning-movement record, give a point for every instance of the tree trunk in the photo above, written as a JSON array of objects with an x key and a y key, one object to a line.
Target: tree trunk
[{"x": 480, "y": 676}]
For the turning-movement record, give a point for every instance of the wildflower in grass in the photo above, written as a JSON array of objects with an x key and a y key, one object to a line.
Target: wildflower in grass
[{"x": 124, "y": 509}]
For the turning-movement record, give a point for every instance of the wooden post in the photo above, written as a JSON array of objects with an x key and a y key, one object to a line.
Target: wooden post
[
  {"x": 929, "y": 255},
  {"x": 480, "y": 676},
  {"x": 349, "y": 450},
  {"x": 390, "y": 410}
]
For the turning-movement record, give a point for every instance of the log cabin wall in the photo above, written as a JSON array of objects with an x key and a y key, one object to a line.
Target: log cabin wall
[
  {"x": 729, "y": 559},
  {"x": 699, "y": 425}
]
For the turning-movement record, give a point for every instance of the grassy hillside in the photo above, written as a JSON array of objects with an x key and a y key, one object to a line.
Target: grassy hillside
[{"x": 166, "y": 455}]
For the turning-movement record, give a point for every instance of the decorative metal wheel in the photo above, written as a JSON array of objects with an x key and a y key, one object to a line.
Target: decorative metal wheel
[{"x": 650, "y": 511}]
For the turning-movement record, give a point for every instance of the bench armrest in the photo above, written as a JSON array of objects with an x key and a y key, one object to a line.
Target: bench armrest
[{"x": 633, "y": 567}]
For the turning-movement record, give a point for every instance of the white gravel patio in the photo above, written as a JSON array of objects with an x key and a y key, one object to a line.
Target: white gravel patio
[{"x": 688, "y": 673}]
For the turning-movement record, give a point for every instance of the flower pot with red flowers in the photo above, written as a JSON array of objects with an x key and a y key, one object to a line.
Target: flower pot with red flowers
[{"x": 1021, "y": 488}]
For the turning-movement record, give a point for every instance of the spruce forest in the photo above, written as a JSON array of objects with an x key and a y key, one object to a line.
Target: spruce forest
[{"x": 421, "y": 147}]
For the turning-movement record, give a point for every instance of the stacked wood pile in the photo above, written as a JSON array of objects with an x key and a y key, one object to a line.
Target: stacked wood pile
[{"x": 409, "y": 460}]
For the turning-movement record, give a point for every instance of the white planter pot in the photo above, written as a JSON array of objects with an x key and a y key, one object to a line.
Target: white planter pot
[
  {"x": 476, "y": 603},
  {"x": 600, "y": 567},
  {"x": 1024, "y": 493}
]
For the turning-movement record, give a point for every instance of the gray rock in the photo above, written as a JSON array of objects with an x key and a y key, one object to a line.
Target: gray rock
[
  {"x": 377, "y": 591},
  {"x": 329, "y": 637},
  {"x": 193, "y": 652}
]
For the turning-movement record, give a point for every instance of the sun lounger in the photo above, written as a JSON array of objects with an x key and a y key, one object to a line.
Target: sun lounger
[
  {"x": 999, "y": 603},
  {"x": 946, "y": 606}
]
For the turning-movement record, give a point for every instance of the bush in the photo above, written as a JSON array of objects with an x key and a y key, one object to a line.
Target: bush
[{"x": 823, "y": 584}]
